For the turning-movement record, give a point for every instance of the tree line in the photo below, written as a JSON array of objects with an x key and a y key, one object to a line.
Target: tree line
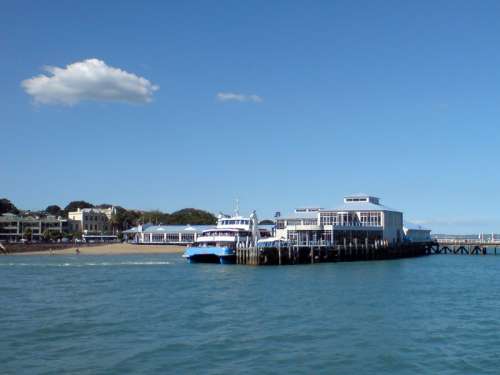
[{"x": 123, "y": 218}]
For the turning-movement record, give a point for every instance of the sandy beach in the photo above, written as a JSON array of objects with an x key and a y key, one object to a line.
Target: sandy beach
[{"x": 113, "y": 249}]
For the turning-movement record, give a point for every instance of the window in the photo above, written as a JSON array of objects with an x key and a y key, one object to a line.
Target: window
[
  {"x": 325, "y": 220},
  {"x": 310, "y": 222},
  {"x": 187, "y": 237},
  {"x": 157, "y": 237},
  {"x": 356, "y": 200},
  {"x": 172, "y": 237},
  {"x": 364, "y": 218},
  {"x": 375, "y": 218}
]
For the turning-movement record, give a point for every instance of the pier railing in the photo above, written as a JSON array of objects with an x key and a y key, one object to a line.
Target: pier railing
[{"x": 455, "y": 241}]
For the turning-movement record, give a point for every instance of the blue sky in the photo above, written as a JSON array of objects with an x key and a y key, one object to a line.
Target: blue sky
[{"x": 397, "y": 99}]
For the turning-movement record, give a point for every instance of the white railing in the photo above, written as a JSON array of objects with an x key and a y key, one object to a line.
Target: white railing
[
  {"x": 356, "y": 224},
  {"x": 457, "y": 241}
]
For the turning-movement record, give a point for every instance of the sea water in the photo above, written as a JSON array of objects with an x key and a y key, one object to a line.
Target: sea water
[{"x": 157, "y": 314}]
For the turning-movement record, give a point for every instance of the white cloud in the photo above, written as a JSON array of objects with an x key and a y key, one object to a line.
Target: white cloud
[
  {"x": 230, "y": 96},
  {"x": 90, "y": 79}
]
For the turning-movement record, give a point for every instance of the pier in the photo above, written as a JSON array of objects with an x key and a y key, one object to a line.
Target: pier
[
  {"x": 322, "y": 253},
  {"x": 466, "y": 247},
  {"x": 380, "y": 250}
]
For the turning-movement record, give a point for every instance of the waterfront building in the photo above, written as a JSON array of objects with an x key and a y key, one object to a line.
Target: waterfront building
[
  {"x": 14, "y": 228},
  {"x": 165, "y": 234},
  {"x": 149, "y": 234},
  {"x": 92, "y": 220},
  {"x": 416, "y": 233},
  {"x": 361, "y": 218}
]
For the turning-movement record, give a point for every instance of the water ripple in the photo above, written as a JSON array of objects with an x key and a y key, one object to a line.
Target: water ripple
[{"x": 157, "y": 314}]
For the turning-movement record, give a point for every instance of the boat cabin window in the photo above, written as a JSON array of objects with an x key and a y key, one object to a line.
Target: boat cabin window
[{"x": 235, "y": 222}]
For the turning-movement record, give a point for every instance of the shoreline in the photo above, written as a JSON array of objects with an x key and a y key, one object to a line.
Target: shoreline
[{"x": 110, "y": 249}]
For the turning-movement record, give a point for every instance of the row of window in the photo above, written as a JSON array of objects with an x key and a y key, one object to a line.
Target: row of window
[
  {"x": 233, "y": 222},
  {"x": 364, "y": 218},
  {"x": 224, "y": 233},
  {"x": 95, "y": 218},
  {"x": 349, "y": 236},
  {"x": 94, "y": 227},
  {"x": 169, "y": 237}
]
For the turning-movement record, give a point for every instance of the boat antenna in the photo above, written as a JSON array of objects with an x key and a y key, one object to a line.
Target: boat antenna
[{"x": 237, "y": 207}]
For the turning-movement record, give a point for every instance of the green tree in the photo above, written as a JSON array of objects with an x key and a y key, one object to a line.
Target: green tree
[
  {"x": 192, "y": 216},
  {"x": 155, "y": 217},
  {"x": 47, "y": 235},
  {"x": 54, "y": 210},
  {"x": 115, "y": 222},
  {"x": 75, "y": 205},
  {"x": 28, "y": 234},
  {"x": 55, "y": 235},
  {"x": 104, "y": 205},
  {"x": 266, "y": 222},
  {"x": 7, "y": 206},
  {"x": 123, "y": 219}
]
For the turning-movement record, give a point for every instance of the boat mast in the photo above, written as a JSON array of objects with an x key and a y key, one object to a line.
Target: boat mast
[{"x": 237, "y": 207}]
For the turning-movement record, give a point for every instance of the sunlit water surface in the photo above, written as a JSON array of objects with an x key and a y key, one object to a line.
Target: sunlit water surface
[{"x": 157, "y": 314}]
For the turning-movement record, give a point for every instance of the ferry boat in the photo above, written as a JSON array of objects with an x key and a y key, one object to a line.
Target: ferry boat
[{"x": 218, "y": 245}]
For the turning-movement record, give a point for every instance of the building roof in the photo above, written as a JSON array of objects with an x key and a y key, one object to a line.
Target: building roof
[
  {"x": 360, "y": 195},
  {"x": 104, "y": 211},
  {"x": 9, "y": 214},
  {"x": 363, "y": 206},
  {"x": 177, "y": 228},
  {"x": 299, "y": 215},
  {"x": 91, "y": 210},
  {"x": 49, "y": 218}
]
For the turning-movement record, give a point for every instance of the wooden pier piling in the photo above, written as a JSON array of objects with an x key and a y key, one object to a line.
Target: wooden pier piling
[{"x": 352, "y": 251}]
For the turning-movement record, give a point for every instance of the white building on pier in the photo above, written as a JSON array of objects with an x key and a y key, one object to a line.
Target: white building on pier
[
  {"x": 416, "y": 233},
  {"x": 361, "y": 218}
]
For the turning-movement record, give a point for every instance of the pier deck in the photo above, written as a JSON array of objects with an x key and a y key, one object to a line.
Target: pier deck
[
  {"x": 302, "y": 254},
  {"x": 321, "y": 253},
  {"x": 465, "y": 247}
]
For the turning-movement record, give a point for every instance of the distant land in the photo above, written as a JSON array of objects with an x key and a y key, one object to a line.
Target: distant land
[{"x": 124, "y": 218}]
